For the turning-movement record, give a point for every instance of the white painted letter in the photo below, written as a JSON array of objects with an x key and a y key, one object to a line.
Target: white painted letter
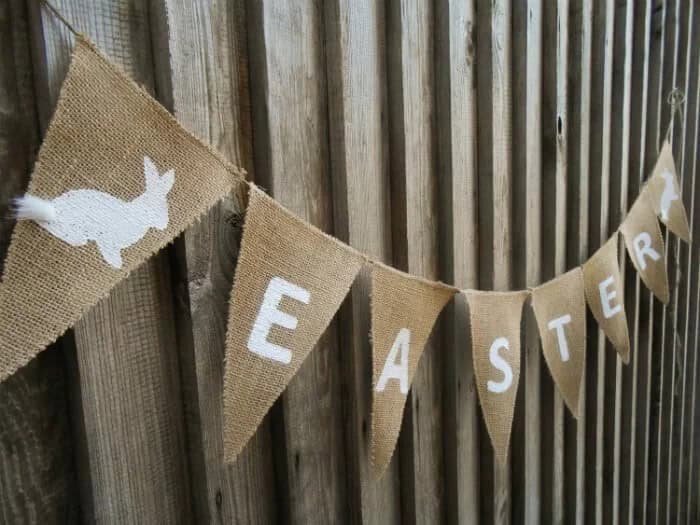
[
  {"x": 558, "y": 325},
  {"x": 642, "y": 246},
  {"x": 606, "y": 297},
  {"x": 394, "y": 370},
  {"x": 270, "y": 315},
  {"x": 498, "y": 362}
]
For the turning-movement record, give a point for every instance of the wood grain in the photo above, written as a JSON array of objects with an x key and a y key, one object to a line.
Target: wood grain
[
  {"x": 289, "y": 102},
  {"x": 207, "y": 92},
  {"x": 457, "y": 167},
  {"x": 685, "y": 131},
  {"x": 530, "y": 458},
  {"x": 667, "y": 341},
  {"x": 127, "y": 408},
  {"x": 356, "y": 69},
  {"x": 37, "y": 472},
  {"x": 580, "y": 45},
  {"x": 501, "y": 105},
  {"x": 687, "y": 496},
  {"x": 414, "y": 197},
  {"x": 620, "y": 165},
  {"x": 640, "y": 123}
]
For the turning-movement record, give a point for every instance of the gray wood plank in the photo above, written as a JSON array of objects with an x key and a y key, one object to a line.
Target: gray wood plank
[
  {"x": 633, "y": 494},
  {"x": 207, "y": 92},
  {"x": 415, "y": 222},
  {"x": 356, "y": 69},
  {"x": 117, "y": 378},
  {"x": 581, "y": 33},
  {"x": 457, "y": 135},
  {"x": 37, "y": 472},
  {"x": 291, "y": 152}
]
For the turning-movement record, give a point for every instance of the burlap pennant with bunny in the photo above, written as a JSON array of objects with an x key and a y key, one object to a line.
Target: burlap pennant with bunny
[
  {"x": 117, "y": 178},
  {"x": 664, "y": 194}
]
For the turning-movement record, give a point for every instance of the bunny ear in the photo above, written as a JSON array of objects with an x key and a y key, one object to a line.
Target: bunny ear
[
  {"x": 167, "y": 180},
  {"x": 150, "y": 171}
]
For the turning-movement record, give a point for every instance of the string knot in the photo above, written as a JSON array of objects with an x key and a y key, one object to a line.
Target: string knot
[{"x": 676, "y": 99}]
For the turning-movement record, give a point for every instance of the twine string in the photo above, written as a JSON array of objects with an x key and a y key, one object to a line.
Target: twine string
[
  {"x": 675, "y": 99},
  {"x": 56, "y": 13}
]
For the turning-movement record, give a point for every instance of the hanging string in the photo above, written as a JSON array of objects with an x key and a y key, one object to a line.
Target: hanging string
[
  {"x": 675, "y": 99},
  {"x": 55, "y": 12}
]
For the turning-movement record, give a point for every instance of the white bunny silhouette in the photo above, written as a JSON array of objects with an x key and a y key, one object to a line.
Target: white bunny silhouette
[
  {"x": 669, "y": 194},
  {"x": 80, "y": 216}
]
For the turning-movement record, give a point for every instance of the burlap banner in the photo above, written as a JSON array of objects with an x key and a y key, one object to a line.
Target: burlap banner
[
  {"x": 495, "y": 324},
  {"x": 290, "y": 281},
  {"x": 645, "y": 245},
  {"x": 665, "y": 196},
  {"x": 605, "y": 295},
  {"x": 116, "y": 179},
  {"x": 404, "y": 310},
  {"x": 560, "y": 309}
]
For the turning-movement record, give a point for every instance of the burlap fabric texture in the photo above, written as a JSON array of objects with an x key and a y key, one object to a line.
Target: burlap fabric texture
[
  {"x": 642, "y": 234},
  {"x": 560, "y": 310},
  {"x": 605, "y": 295},
  {"x": 664, "y": 193},
  {"x": 404, "y": 310},
  {"x": 290, "y": 280},
  {"x": 495, "y": 318},
  {"x": 103, "y": 127}
]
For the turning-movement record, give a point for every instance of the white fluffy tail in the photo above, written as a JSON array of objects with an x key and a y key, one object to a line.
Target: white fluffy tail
[{"x": 30, "y": 208}]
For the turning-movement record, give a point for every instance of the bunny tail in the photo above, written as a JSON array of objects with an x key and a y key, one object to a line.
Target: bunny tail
[{"x": 30, "y": 208}]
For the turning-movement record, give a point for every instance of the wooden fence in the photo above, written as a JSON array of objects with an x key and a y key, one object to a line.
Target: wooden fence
[{"x": 486, "y": 143}]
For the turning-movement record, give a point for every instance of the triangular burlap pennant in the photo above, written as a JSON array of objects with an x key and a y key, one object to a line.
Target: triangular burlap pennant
[
  {"x": 645, "y": 245},
  {"x": 604, "y": 293},
  {"x": 290, "y": 281},
  {"x": 404, "y": 310},
  {"x": 116, "y": 180},
  {"x": 560, "y": 309},
  {"x": 495, "y": 323},
  {"x": 665, "y": 196}
]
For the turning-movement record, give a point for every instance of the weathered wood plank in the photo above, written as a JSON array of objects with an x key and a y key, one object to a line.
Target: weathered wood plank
[
  {"x": 656, "y": 134},
  {"x": 415, "y": 219},
  {"x": 124, "y": 367},
  {"x": 502, "y": 177},
  {"x": 554, "y": 233},
  {"x": 289, "y": 103},
  {"x": 528, "y": 496},
  {"x": 560, "y": 127},
  {"x": 359, "y": 169},
  {"x": 673, "y": 343},
  {"x": 633, "y": 494},
  {"x": 601, "y": 357},
  {"x": 457, "y": 132},
  {"x": 485, "y": 124},
  {"x": 580, "y": 45},
  {"x": 207, "y": 92},
  {"x": 674, "y": 75},
  {"x": 688, "y": 279},
  {"x": 620, "y": 155},
  {"x": 663, "y": 330},
  {"x": 687, "y": 130},
  {"x": 688, "y": 474},
  {"x": 37, "y": 472}
]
